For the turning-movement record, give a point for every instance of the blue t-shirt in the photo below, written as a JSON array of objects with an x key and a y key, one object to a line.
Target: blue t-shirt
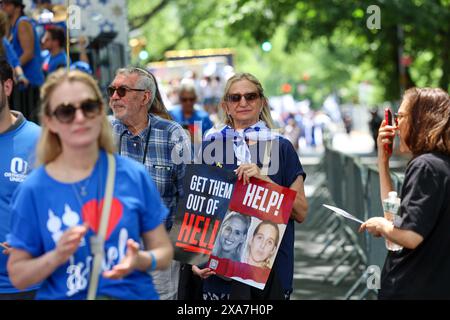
[
  {"x": 52, "y": 63},
  {"x": 284, "y": 173},
  {"x": 187, "y": 123},
  {"x": 33, "y": 68},
  {"x": 11, "y": 55},
  {"x": 44, "y": 208},
  {"x": 17, "y": 156}
]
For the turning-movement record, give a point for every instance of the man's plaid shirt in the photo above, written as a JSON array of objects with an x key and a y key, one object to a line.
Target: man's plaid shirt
[{"x": 167, "y": 143}]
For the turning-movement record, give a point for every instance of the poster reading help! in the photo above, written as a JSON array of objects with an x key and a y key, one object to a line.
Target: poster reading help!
[
  {"x": 207, "y": 194},
  {"x": 250, "y": 234}
]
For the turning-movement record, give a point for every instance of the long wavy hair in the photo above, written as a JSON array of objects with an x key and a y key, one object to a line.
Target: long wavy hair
[
  {"x": 49, "y": 146},
  {"x": 428, "y": 119},
  {"x": 265, "y": 114}
]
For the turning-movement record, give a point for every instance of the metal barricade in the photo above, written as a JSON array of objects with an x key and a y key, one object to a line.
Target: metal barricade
[{"x": 354, "y": 187}]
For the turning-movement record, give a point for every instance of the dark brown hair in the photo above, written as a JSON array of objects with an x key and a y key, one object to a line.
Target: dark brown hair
[{"x": 428, "y": 118}]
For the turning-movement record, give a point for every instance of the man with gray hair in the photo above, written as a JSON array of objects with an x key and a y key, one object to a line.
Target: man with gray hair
[{"x": 144, "y": 133}]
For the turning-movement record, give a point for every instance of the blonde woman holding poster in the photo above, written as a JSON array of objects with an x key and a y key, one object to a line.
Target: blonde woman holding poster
[{"x": 57, "y": 211}]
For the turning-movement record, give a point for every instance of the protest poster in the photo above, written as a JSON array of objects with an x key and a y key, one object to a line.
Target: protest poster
[
  {"x": 251, "y": 232},
  {"x": 207, "y": 194}
]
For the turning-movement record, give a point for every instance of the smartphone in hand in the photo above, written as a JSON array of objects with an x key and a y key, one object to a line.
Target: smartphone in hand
[{"x": 389, "y": 121}]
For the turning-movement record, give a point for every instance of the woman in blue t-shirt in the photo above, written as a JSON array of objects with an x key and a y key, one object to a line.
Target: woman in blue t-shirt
[
  {"x": 56, "y": 211},
  {"x": 238, "y": 146}
]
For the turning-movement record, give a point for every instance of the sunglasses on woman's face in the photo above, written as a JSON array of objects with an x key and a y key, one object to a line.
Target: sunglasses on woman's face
[
  {"x": 121, "y": 91},
  {"x": 65, "y": 112},
  {"x": 236, "y": 97}
]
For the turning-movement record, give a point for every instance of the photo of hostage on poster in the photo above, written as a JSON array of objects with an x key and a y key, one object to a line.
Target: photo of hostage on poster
[
  {"x": 207, "y": 194},
  {"x": 251, "y": 232}
]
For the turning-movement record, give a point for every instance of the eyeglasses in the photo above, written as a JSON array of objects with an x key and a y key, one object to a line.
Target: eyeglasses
[
  {"x": 182, "y": 99},
  {"x": 121, "y": 91},
  {"x": 252, "y": 96},
  {"x": 65, "y": 112}
]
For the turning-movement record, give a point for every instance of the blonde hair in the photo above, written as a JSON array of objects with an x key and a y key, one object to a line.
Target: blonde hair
[
  {"x": 49, "y": 146},
  {"x": 265, "y": 114}
]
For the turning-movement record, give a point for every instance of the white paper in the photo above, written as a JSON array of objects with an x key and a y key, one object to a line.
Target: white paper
[{"x": 343, "y": 213}]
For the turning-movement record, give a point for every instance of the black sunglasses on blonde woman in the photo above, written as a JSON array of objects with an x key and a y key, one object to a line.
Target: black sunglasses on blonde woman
[{"x": 65, "y": 112}]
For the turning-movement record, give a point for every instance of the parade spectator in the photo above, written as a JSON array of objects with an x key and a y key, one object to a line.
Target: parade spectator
[
  {"x": 232, "y": 236},
  {"x": 18, "y": 138},
  {"x": 420, "y": 269},
  {"x": 348, "y": 122},
  {"x": 82, "y": 63},
  {"x": 25, "y": 42},
  {"x": 263, "y": 244},
  {"x": 247, "y": 128},
  {"x": 147, "y": 138},
  {"x": 55, "y": 56},
  {"x": 56, "y": 211}
]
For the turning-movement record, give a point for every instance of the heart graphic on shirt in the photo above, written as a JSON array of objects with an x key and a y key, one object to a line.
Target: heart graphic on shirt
[{"x": 92, "y": 211}]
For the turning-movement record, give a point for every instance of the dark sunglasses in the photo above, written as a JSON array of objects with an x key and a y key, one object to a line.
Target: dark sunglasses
[
  {"x": 252, "y": 96},
  {"x": 121, "y": 91},
  {"x": 65, "y": 112}
]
